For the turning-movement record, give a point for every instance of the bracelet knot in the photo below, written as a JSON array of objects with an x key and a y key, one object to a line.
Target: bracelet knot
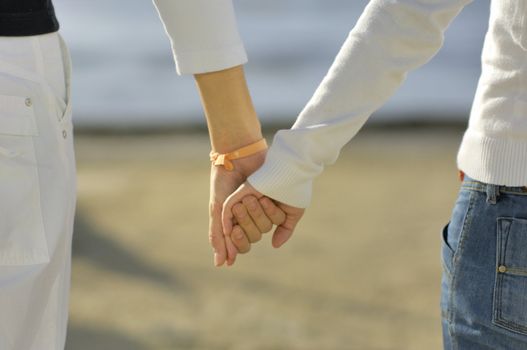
[{"x": 225, "y": 159}]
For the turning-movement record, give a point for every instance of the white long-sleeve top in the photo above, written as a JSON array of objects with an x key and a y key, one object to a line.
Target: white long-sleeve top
[
  {"x": 203, "y": 34},
  {"x": 391, "y": 38}
]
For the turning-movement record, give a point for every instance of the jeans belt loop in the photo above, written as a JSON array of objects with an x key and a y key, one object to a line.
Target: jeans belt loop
[{"x": 493, "y": 191}]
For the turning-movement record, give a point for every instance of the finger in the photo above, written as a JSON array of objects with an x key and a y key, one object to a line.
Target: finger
[
  {"x": 217, "y": 241},
  {"x": 216, "y": 237},
  {"x": 232, "y": 251},
  {"x": 285, "y": 231},
  {"x": 255, "y": 210},
  {"x": 237, "y": 196},
  {"x": 227, "y": 215},
  {"x": 280, "y": 236},
  {"x": 240, "y": 240},
  {"x": 246, "y": 223},
  {"x": 274, "y": 213}
]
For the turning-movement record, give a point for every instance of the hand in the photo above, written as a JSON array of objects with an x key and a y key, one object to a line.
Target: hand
[
  {"x": 241, "y": 199},
  {"x": 232, "y": 123},
  {"x": 254, "y": 216},
  {"x": 222, "y": 184}
]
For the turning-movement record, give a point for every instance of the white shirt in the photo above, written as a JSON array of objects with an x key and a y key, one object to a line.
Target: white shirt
[
  {"x": 203, "y": 34},
  {"x": 391, "y": 38}
]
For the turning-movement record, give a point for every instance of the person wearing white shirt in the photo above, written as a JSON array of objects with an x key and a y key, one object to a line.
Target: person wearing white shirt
[
  {"x": 484, "y": 285},
  {"x": 37, "y": 163}
]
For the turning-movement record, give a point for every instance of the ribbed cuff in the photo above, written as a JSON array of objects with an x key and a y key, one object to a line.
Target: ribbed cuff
[
  {"x": 283, "y": 180},
  {"x": 498, "y": 161},
  {"x": 204, "y": 61}
]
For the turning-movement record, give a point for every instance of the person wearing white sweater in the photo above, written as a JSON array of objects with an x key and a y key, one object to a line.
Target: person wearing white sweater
[
  {"x": 37, "y": 163},
  {"x": 484, "y": 299}
]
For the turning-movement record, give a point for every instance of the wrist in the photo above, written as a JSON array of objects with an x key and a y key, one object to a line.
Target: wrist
[
  {"x": 231, "y": 139},
  {"x": 231, "y": 117},
  {"x": 254, "y": 155},
  {"x": 248, "y": 165}
]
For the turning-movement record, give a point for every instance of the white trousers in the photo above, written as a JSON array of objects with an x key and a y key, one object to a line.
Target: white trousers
[{"x": 37, "y": 192}]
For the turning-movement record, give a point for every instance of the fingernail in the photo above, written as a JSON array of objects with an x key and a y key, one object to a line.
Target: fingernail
[
  {"x": 238, "y": 235},
  {"x": 216, "y": 260}
]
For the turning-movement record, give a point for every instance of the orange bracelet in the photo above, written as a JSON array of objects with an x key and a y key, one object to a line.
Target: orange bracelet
[{"x": 225, "y": 159}]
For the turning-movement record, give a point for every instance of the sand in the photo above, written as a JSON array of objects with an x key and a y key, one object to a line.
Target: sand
[{"x": 361, "y": 272}]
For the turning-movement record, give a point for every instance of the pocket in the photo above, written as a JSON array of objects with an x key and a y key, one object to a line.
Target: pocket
[
  {"x": 510, "y": 293},
  {"x": 22, "y": 235},
  {"x": 453, "y": 234},
  {"x": 447, "y": 253}
]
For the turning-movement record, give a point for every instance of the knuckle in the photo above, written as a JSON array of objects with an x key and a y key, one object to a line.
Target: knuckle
[
  {"x": 246, "y": 223},
  {"x": 270, "y": 208},
  {"x": 266, "y": 227},
  {"x": 255, "y": 238},
  {"x": 244, "y": 249},
  {"x": 277, "y": 220},
  {"x": 251, "y": 203},
  {"x": 238, "y": 234},
  {"x": 279, "y": 217},
  {"x": 243, "y": 220},
  {"x": 238, "y": 209}
]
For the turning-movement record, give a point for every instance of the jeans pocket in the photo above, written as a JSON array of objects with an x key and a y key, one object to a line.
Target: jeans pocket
[
  {"x": 22, "y": 236},
  {"x": 453, "y": 234},
  {"x": 510, "y": 292},
  {"x": 447, "y": 252}
]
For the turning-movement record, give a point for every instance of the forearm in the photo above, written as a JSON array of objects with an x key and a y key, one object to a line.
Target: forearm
[
  {"x": 390, "y": 39},
  {"x": 233, "y": 124},
  {"x": 231, "y": 117}
]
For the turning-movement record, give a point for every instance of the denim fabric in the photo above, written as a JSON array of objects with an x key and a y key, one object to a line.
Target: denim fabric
[{"x": 484, "y": 283}]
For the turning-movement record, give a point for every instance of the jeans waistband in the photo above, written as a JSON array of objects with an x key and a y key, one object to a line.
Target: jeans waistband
[{"x": 492, "y": 191}]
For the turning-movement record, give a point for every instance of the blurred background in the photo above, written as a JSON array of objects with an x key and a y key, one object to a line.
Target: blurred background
[{"x": 363, "y": 270}]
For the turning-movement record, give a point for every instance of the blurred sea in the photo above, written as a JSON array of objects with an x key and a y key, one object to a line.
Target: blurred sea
[{"x": 124, "y": 75}]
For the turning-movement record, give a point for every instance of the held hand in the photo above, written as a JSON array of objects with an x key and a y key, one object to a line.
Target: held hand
[
  {"x": 254, "y": 216},
  {"x": 241, "y": 205},
  {"x": 222, "y": 184}
]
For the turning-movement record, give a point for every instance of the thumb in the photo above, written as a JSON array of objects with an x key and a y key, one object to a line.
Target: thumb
[
  {"x": 236, "y": 197},
  {"x": 285, "y": 230},
  {"x": 281, "y": 235}
]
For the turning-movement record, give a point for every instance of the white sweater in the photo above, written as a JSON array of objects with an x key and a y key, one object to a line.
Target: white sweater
[{"x": 391, "y": 38}]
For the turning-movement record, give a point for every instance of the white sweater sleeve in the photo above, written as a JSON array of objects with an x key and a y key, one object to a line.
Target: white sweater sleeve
[
  {"x": 390, "y": 38},
  {"x": 203, "y": 34}
]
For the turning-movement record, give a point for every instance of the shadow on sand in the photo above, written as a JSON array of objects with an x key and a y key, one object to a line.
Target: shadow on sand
[
  {"x": 102, "y": 251},
  {"x": 86, "y": 338},
  {"x": 108, "y": 254}
]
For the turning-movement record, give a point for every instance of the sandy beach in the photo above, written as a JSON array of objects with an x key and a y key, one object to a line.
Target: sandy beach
[{"x": 361, "y": 272}]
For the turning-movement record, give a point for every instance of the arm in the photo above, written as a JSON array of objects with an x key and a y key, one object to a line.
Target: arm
[
  {"x": 232, "y": 123},
  {"x": 391, "y": 38},
  {"x": 231, "y": 118},
  {"x": 205, "y": 42}
]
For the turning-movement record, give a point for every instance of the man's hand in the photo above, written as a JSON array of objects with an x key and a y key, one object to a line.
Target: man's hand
[
  {"x": 242, "y": 205},
  {"x": 222, "y": 184}
]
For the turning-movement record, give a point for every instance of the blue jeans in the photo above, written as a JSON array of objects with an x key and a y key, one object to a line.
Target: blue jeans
[{"x": 484, "y": 283}]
